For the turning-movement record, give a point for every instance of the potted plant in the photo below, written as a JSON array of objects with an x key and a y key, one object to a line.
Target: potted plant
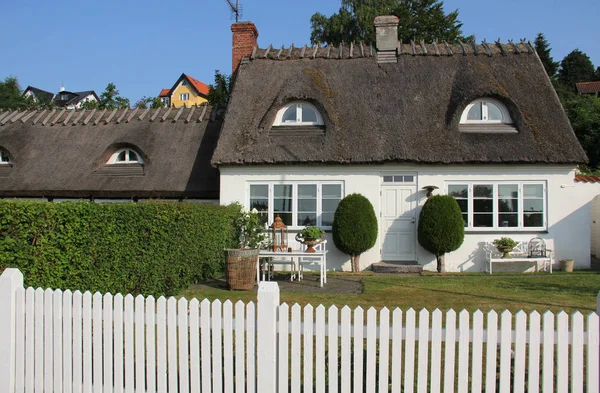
[
  {"x": 310, "y": 236},
  {"x": 241, "y": 263},
  {"x": 505, "y": 245}
]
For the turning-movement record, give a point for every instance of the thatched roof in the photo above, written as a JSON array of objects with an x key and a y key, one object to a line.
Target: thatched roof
[
  {"x": 407, "y": 111},
  {"x": 63, "y": 153}
]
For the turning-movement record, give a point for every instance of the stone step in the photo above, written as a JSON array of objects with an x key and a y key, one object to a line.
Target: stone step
[{"x": 397, "y": 267}]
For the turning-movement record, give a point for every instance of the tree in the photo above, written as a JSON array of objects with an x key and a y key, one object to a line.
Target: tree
[
  {"x": 152, "y": 102},
  {"x": 584, "y": 115},
  {"x": 354, "y": 227},
  {"x": 441, "y": 227},
  {"x": 576, "y": 67},
  {"x": 110, "y": 99},
  {"x": 543, "y": 49},
  {"x": 11, "y": 96},
  {"x": 219, "y": 92},
  {"x": 597, "y": 74},
  {"x": 419, "y": 19}
]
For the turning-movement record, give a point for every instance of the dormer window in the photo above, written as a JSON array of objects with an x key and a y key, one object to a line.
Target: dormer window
[
  {"x": 126, "y": 156},
  {"x": 4, "y": 160},
  {"x": 485, "y": 111},
  {"x": 298, "y": 114}
]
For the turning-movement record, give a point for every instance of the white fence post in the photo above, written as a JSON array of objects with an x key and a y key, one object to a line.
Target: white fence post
[
  {"x": 10, "y": 280},
  {"x": 266, "y": 346}
]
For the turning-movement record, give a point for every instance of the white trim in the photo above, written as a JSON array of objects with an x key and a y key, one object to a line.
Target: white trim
[
  {"x": 506, "y": 119},
  {"x": 294, "y": 211},
  {"x": 113, "y": 159},
  {"x": 298, "y": 122},
  {"x": 496, "y": 227}
]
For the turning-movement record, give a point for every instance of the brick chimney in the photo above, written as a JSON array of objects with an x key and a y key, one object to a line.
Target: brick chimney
[
  {"x": 245, "y": 37},
  {"x": 386, "y": 33}
]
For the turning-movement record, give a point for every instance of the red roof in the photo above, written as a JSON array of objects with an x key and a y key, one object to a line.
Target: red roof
[
  {"x": 588, "y": 87},
  {"x": 200, "y": 87},
  {"x": 587, "y": 179},
  {"x": 164, "y": 93}
]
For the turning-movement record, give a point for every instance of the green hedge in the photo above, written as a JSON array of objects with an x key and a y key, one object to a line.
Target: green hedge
[{"x": 150, "y": 248}]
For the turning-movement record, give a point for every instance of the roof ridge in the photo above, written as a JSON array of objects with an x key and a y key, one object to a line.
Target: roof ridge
[
  {"x": 81, "y": 117},
  {"x": 421, "y": 48}
]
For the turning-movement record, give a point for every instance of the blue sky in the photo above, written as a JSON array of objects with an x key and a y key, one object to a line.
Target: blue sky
[{"x": 143, "y": 46}]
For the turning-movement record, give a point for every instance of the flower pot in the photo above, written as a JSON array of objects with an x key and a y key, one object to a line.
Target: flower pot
[
  {"x": 309, "y": 242},
  {"x": 241, "y": 268},
  {"x": 505, "y": 250},
  {"x": 566, "y": 265}
]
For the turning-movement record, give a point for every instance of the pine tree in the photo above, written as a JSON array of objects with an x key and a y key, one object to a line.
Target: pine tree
[{"x": 543, "y": 50}]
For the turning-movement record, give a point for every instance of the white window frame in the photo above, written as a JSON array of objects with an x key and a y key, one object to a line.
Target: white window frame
[
  {"x": 506, "y": 119},
  {"x": 4, "y": 159},
  {"x": 496, "y": 227},
  {"x": 127, "y": 150},
  {"x": 294, "y": 184},
  {"x": 298, "y": 122},
  {"x": 184, "y": 96}
]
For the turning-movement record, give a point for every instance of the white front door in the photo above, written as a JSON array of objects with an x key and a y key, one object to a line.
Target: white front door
[{"x": 398, "y": 221}]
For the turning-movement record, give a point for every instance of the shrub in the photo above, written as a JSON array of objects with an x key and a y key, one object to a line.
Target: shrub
[
  {"x": 354, "y": 227},
  {"x": 441, "y": 227},
  {"x": 151, "y": 248}
]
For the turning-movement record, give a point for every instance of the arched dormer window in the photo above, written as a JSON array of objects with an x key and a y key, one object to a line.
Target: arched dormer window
[
  {"x": 298, "y": 114},
  {"x": 125, "y": 156},
  {"x": 485, "y": 111}
]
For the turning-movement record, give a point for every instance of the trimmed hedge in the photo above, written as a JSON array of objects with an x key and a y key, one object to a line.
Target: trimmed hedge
[{"x": 150, "y": 248}]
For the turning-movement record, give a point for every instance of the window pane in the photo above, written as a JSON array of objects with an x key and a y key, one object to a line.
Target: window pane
[
  {"x": 533, "y": 191},
  {"x": 508, "y": 205},
  {"x": 259, "y": 191},
  {"x": 508, "y": 191},
  {"x": 465, "y": 219},
  {"x": 398, "y": 179},
  {"x": 482, "y": 205},
  {"x": 330, "y": 205},
  {"x": 483, "y": 191},
  {"x": 533, "y": 219},
  {"x": 463, "y": 204},
  {"x": 307, "y": 205},
  {"x": 282, "y": 204},
  {"x": 327, "y": 219},
  {"x": 483, "y": 220},
  {"x": 262, "y": 205},
  {"x": 282, "y": 190},
  {"x": 308, "y": 114},
  {"x": 409, "y": 179},
  {"x": 289, "y": 116},
  {"x": 132, "y": 156},
  {"x": 475, "y": 112},
  {"x": 307, "y": 190},
  {"x": 286, "y": 218},
  {"x": 121, "y": 156},
  {"x": 307, "y": 219},
  {"x": 508, "y": 220},
  {"x": 494, "y": 112},
  {"x": 533, "y": 205},
  {"x": 332, "y": 191},
  {"x": 458, "y": 191},
  {"x": 388, "y": 179}
]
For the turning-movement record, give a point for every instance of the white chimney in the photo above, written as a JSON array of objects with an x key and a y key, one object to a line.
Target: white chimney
[{"x": 386, "y": 33}]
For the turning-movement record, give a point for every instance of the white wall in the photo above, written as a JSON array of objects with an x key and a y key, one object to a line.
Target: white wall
[
  {"x": 595, "y": 217},
  {"x": 569, "y": 204}
]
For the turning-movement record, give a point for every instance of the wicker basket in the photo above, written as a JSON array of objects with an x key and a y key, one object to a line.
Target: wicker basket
[{"x": 241, "y": 268}]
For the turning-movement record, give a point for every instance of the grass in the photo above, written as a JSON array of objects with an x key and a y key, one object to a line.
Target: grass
[{"x": 513, "y": 292}]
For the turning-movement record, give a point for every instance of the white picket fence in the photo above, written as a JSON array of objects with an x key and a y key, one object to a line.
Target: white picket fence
[{"x": 55, "y": 341}]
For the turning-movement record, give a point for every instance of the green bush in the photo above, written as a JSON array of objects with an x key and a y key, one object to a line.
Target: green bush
[
  {"x": 441, "y": 227},
  {"x": 151, "y": 248},
  {"x": 354, "y": 227}
]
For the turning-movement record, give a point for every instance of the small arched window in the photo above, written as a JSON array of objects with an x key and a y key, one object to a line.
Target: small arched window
[
  {"x": 4, "y": 160},
  {"x": 298, "y": 114},
  {"x": 485, "y": 111},
  {"x": 125, "y": 156}
]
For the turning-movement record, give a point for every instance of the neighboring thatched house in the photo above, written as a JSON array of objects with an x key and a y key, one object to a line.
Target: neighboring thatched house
[
  {"x": 306, "y": 126},
  {"x": 109, "y": 154}
]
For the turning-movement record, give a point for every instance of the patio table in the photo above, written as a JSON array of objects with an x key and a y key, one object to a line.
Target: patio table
[{"x": 318, "y": 257}]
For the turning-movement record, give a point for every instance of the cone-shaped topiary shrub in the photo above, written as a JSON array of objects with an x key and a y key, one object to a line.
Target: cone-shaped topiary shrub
[
  {"x": 441, "y": 227},
  {"x": 354, "y": 227}
]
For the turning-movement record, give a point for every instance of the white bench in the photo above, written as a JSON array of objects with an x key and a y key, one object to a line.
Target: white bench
[{"x": 518, "y": 254}]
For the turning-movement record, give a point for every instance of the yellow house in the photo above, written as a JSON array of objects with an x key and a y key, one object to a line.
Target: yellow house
[{"x": 187, "y": 91}]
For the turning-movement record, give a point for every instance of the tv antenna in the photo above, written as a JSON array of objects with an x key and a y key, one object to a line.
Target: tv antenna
[{"x": 236, "y": 9}]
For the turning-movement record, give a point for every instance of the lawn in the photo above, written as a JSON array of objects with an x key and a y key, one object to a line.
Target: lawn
[{"x": 541, "y": 292}]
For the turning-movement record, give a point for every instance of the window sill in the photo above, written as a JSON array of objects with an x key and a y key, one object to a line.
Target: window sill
[{"x": 475, "y": 231}]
